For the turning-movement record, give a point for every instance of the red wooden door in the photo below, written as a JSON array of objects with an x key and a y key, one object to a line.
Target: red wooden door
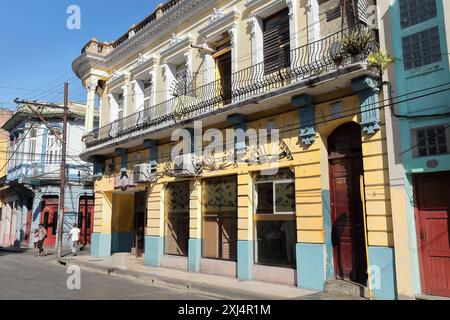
[
  {"x": 49, "y": 218},
  {"x": 346, "y": 168},
  {"x": 86, "y": 219},
  {"x": 432, "y": 218}
]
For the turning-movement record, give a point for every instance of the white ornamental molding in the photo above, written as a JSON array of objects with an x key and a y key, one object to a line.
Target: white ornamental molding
[
  {"x": 141, "y": 59},
  {"x": 219, "y": 23},
  {"x": 188, "y": 57},
  {"x": 216, "y": 15},
  {"x": 174, "y": 40},
  {"x": 252, "y": 24},
  {"x": 165, "y": 71},
  {"x": 116, "y": 75}
]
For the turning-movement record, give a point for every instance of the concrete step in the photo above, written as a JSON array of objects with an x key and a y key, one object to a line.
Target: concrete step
[
  {"x": 430, "y": 297},
  {"x": 347, "y": 288}
]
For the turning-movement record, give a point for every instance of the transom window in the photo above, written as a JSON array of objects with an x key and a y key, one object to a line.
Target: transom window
[
  {"x": 413, "y": 12},
  {"x": 421, "y": 48},
  {"x": 432, "y": 141}
]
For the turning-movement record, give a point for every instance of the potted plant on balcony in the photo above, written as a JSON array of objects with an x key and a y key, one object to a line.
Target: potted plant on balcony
[
  {"x": 357, "y": 43},
  {"x": 380, "y": 61}
]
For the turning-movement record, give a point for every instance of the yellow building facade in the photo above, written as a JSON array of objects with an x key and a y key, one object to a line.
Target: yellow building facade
[{"x": 308, "y": 201}]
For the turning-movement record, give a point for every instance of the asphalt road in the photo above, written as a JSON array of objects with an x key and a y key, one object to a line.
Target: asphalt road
[{"x": 23, "y": 276}]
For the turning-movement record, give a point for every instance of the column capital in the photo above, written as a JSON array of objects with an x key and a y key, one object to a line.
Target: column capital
[
  {"x": 302, "y": 100},
  {"x": 365, "y": 83},
  {"x": 366, "y": 87},
  {"x": 306, "y": 108},
  {"x": 149, "y": 143},
  {"x": 236, "y": 119}
]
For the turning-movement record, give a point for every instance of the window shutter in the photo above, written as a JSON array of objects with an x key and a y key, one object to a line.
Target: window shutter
[{"x": 276, "y": 41}]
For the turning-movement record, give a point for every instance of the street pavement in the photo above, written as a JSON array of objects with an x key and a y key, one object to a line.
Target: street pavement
[{"x": 23, "y": 276}]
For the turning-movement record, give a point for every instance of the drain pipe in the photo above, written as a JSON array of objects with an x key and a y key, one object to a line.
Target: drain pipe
[{"x": 366, "y": 235}]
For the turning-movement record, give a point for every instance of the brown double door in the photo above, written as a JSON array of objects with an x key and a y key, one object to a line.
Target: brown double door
[
  {"x": 348, "y": 233},
  {"x": 432, "y": 201}
]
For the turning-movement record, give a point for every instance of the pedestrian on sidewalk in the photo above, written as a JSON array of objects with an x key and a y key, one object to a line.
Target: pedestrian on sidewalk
[
  {"x": 42, "y": 235},
  {"x": 74, "y": 236},
  {"x": 36, "y": 239}
]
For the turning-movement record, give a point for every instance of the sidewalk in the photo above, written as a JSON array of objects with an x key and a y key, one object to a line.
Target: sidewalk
[{"x": 215, "y": 286}]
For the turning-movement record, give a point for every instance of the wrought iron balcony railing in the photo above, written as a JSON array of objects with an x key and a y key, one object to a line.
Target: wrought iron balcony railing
[{"x": 335, "y": 51}]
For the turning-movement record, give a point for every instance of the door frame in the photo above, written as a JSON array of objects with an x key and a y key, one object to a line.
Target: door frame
[
  {"x": 361, "y": 178},
  {"x": 421, "y": 250}
]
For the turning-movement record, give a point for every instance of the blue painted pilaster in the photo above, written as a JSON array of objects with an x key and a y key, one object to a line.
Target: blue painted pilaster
[
  {"x": 239, "y": 122},
  {"x": 194, "y": 255},
  {"x": 151, "y": 145},
  {"x": 153, "y": 251},
  {"x": 122, "y": 153},
  {"x": 244, "y": 260},
  {"x": 101, "y": 245},
  {"x": 99, "y": 166},
  {"x": 310, "y": 266},
  {"x": 306, "y": 108},
  {"x": 367, "y": 89},
  {"x": 382, "y": 268}
]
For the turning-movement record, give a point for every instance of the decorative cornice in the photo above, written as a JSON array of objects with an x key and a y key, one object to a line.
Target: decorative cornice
[
  {"x": 163, "y": 25},
  {"x": 220, "y": 24},
  {"x": 146, "y": 64},
  {"x": 177, "y": 47}
]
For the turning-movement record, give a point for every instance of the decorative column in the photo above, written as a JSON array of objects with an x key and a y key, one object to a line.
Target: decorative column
[
  {"x": 208, "y": 67},
  {"x": 293, "y": 22},
  {"x": 90, "y": 105},
  {"x": 256, "y": 34},
  {"x": 195, "y": 231},
  {"x": 244, "y": 203},
  {"x": 233, "y": 42},
  {"x": 366, "y": 87},
  {"x": 306, "y": 108},
  {"x": 154, "y": 240},
  {"x": 313, "y": 20},
  {"x": 239, "y": 122},
  {"x": 99, "y": 166},
  {"x": 122, "y": 153}
]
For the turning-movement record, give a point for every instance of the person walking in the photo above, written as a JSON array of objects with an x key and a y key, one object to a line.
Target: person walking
[
  {"x": 74, "y": 236},
  {"x": 42, "y": 234}
]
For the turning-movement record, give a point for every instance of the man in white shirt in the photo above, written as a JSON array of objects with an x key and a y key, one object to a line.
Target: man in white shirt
[{"x": 74, "y": 236}]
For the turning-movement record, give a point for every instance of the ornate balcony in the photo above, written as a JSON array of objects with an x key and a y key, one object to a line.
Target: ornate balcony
[{"x": 320, "y": 58}]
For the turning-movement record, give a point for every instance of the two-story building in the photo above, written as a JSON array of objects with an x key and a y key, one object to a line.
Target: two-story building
[
  {"x": 294, "y": 67},
  {"x": 416, "y": 33},
  {"x": 34, "y": 176},
  {"x": 5, "y": 114}
]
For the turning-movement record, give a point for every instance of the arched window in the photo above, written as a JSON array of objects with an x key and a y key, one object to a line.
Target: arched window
[
  {"x": 33, "y": 143},
  {"x": 53, "y": 153}
]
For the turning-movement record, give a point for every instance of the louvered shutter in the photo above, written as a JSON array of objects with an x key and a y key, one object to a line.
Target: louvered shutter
[{"x": 276, "y": 41}]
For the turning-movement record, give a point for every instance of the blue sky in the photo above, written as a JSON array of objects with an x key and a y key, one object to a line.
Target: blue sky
[{"x": 37, "y": 49}]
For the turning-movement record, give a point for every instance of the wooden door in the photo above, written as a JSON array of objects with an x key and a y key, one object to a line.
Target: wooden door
[
  {"x": 224, "y": 69},
  {"x": 348, "y": 238},
  {"x": 432, "y": 219},
  {"x": 49, "y": 218},
  {"x": 140, "y": 217},
  {"x": 85, "y": 219}
]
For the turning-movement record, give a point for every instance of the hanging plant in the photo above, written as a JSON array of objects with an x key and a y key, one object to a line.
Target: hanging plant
[{"x": 357, "y": 42}]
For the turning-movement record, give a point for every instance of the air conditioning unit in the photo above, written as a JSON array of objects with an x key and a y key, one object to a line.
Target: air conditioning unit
[
  {"x": 144, "y": 172},
  {"x": 185, "y": 165}
]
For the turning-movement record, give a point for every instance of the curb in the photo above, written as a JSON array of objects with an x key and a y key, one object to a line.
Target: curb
[{"x": 219, "y": 292}]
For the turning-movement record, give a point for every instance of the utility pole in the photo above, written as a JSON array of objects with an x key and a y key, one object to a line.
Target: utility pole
[{"x": 63, "y": 174}]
